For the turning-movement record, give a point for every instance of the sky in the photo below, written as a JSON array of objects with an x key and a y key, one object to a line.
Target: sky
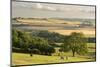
[{"x": 50, "y": 10}]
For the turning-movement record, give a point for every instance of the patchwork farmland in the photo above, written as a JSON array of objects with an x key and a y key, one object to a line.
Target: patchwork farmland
[{"x": 61, "y": 27}]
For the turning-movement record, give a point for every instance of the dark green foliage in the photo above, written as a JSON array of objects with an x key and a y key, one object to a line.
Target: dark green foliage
[
  {"x": 91, "y": 39},
  {"x": 25, "y": 42},
  {"x": 50, "y": 36},
  {"x": 20, "y": 39},
  {"x": 42, "y": 45},
  {"x": 19, "y": 50},
  {"x": 76, "y": 43},
  {"x": 15, "y": 38}
]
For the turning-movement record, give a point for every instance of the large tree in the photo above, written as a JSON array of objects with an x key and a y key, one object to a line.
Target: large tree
[{"x": 76, "y": 43}]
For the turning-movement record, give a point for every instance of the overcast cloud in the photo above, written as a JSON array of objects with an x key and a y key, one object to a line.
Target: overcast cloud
[{"x": 44, "y": 10}]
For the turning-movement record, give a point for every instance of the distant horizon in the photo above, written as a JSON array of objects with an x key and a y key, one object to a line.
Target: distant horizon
[{"x": 54, "y": 18}]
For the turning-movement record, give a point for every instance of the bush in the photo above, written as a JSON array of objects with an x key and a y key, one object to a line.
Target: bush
[{"x": 19, "y": 50}]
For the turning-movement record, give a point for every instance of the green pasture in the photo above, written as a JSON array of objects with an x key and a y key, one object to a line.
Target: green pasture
[
  {"x": 24, "y": 59},
  {"x": 91, "y": 47}
]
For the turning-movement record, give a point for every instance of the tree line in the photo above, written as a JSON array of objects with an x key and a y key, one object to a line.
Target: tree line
[{"x": 43, "y": 42}]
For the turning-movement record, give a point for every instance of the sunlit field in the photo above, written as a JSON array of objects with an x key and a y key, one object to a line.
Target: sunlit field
[
  {"x": 87, "y": 32},
  {"x": 24, "y": 59}
]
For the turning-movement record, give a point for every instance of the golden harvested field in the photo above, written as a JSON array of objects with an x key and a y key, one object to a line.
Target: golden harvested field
[
  {"x": 68, "y": 32},
  {"x": 63, "y": 27},
  {"x": 48, "y": 21}
]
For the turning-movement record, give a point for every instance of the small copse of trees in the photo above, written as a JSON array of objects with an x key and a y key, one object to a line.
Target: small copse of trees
[{"x": 34, "y": 44}]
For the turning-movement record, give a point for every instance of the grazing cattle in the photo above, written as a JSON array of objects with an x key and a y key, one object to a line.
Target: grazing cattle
[{"x": 62, "y": 58}]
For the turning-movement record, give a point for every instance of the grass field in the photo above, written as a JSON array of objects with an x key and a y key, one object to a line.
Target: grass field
[
  {"x": 91, "y": 47},
  {"x": 23, "y": 59}
]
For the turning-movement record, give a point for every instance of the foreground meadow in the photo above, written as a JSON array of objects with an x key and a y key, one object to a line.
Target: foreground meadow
[{"x": 24, "y": 59}]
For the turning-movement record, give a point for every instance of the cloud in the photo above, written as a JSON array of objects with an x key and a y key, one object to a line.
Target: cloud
[
  {"x": 38, "y": 5},
  {"x": 45, "y": 7},
  {"x": 50, "y": 8}
]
